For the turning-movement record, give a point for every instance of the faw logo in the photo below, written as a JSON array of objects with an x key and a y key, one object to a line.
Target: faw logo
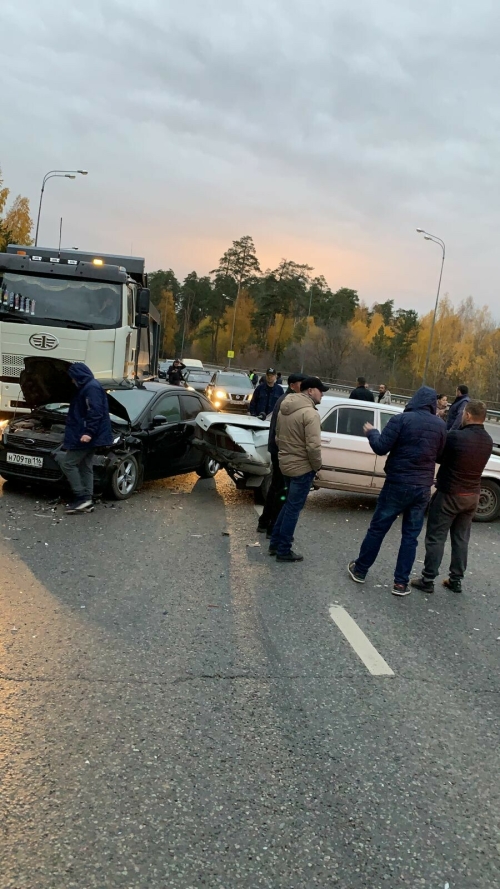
[{"x": 44, "y": 341}]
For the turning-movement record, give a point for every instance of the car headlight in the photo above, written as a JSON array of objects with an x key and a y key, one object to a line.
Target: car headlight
[
  {"x": 249, "y": 396},
  {"x": 220, "y": 394},
  {"x": 216, "y": 403}
]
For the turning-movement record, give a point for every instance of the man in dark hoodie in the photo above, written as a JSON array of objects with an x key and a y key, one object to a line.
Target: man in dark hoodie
[
  {"x": 414, "y": 440},
  {"x": 87, "y": 427},
  {"x": 276, "y": 495}
]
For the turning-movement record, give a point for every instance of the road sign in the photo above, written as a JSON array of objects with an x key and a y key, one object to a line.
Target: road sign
[{"x": 230, "y": 354}]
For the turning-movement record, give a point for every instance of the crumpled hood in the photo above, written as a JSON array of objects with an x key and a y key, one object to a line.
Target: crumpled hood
[
  {"x": 80, "y": 373},
  {"x": 297, "y": 402},
  {"x": 425, "y": 397}
]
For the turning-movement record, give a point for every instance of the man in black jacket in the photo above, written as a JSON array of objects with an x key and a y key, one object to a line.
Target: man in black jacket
[
  {"x": 456, "y": 410},
  {"x": 276, "y": 495},
  {"x": 361, "y": 392},
  {"x": 454, "y": 504}
]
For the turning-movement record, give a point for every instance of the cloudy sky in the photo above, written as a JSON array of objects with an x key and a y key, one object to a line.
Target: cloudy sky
[{"x": 329, "y": 130}]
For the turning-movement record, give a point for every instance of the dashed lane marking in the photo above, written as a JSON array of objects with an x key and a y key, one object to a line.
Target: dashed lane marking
[{"x": 373, "y": 661}]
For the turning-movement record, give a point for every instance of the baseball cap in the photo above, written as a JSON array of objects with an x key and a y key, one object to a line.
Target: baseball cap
[
  {"x": 270, "y": 370},
  {"x": 296, "y": 378},
  {"x": 313, "y": 383}
]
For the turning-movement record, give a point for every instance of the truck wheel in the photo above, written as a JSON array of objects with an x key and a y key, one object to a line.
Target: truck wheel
[
  {"x": 125, "y": 478},
  {"x": 489, "y": 501},
  {"x": 208, "y": 468}
]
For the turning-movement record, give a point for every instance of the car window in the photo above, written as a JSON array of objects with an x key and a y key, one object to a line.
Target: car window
[
  {"x": 329, "y": 424},
  {"x": 351, "y": 420},
  {"x": 385, "y": 416},
  {"x": 237, "y": 380},
  {"x": 191, "y": 406},
  {"x": 169, "y": 407}
]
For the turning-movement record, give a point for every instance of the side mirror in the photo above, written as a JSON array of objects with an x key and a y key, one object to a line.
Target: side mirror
[
  {"x": 159, "y": 420},
  {"x": 141, "y": 320},
  {"x": 143, "y": 300}
]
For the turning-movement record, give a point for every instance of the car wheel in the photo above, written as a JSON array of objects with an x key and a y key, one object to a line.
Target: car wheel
[
  {"x": 488, "y": 507},
  {"x": 125, "y": 478},
  {"x": 208, "y": 468}
]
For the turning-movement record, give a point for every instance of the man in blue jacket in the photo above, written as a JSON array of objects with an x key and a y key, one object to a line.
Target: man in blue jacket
[
  {"x": 456, "y": 410},
  {"x": 266, "y": 395},
  {"x": 87, "y": 427},
  {"x": 414, "y": 441}
]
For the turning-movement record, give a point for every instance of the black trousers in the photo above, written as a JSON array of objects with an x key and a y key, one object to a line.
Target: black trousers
[
  {"x": 276, "y": 496},
  {"x": 453, "y": 513}
]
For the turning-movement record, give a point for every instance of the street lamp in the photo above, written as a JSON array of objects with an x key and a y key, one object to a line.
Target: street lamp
[
  {"x": 429, "y": 237},
  {"x": 63, "y": 174}
]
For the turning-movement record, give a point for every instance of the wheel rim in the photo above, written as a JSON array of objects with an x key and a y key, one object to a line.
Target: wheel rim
[
  {"x": 212, "y": 466},
  {"x": 126, "y": 476},
  {"x": 487, "y": 502}
]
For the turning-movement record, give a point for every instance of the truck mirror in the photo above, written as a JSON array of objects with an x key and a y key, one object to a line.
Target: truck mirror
[
  {"x": 141, "y": 320},
  {"x": 143, "y": 301}
]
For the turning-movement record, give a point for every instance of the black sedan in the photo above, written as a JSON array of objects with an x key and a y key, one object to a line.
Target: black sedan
[
  {"x": 154, "y": 426},
  {"x": 198, "y": 379}
]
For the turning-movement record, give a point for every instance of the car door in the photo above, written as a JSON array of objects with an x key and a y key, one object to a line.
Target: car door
[
  {"x": 379, "y": 476},
  {"x": 191, "y": 406},
  {"x": 348, "y": 460},
  {"x": 166, "y": 442}
]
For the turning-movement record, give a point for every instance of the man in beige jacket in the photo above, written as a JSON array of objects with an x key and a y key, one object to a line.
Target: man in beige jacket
[{"x": 298, "y": 436}]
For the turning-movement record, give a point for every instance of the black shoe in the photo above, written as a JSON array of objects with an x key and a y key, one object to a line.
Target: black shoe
[
  {"x": 83, "y": 504},
  {"x": 290, "y": 557},
  {"x": 262, "y": 529},
  {"x": 269, "y": 533},
  {"x": 401, "y": 589},
  {"x": 272, "y": 550},
  {"x": 454, "y": 585},
  {"x": 420, "y": 583},
  {"x": 355, "y": 574}
]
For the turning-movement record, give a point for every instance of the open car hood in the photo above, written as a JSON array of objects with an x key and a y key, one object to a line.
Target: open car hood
[{"x": 46, "y": 381}]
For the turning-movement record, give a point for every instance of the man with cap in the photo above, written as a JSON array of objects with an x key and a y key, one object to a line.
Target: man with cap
[
  {"x": 298, "y": 436},
  {"x": 265, "y": 395},
  {"x": 277, "y": 489}
]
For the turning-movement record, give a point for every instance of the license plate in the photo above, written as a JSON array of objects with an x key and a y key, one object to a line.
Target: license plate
[{"x": 25, "y": 460}]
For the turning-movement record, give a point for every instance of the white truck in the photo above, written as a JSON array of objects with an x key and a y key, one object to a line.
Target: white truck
[{"x": 76, "y": 306}]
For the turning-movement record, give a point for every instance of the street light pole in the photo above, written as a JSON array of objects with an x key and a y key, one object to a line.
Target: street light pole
[
  {"x": 234, "y": 320},
  {"x": 63, "y": 174},
  {"x": 308, "y": 316},
  {"x": 436, "y": 240}
]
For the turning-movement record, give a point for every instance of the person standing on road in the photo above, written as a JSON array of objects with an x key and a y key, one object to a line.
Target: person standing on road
[
  {"x": 277, "y": 489},
  {"x": 175, "y": 376},
  {"x": 384, "y": 396},
  {"x": 414, "y": 440},
  {"x": 298, "y": 436},
  {"x": 361, "y": 392},
  {"x": 265, "y": 395},
  {"x": 456, "y": 410},
  {"x": 254, "y": 377},
  {"x": 87, "y": 427},
  {"x": 455, "y": 501}
]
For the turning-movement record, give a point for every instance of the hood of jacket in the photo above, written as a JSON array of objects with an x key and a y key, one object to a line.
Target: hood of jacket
[
  {"x": 425, "y": 398},
  {"x": 297, "y": 402},
  {"x": 80, "y": 373}
]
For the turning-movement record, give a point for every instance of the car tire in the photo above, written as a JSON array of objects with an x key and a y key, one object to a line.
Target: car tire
[
  {"x": 125, "y": 478},
  {"x": 260, "y": 493},
  {"x": 209, "y": 468},
  {"x": 489, "y": 501}
]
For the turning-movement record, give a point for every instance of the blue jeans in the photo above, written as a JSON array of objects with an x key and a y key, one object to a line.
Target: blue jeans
[
  {"x": 394, "y": 499},
  {"x": 284, "y": 527}
]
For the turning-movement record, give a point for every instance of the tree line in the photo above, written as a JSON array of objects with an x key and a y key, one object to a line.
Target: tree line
[{"x": 290, "y": 317}]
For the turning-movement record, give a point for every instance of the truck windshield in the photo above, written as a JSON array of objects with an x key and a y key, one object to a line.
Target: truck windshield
[{"x": 58, "y": 302}]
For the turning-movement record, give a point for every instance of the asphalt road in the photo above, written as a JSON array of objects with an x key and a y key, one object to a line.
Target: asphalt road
[{"x": 179, "y": 710}]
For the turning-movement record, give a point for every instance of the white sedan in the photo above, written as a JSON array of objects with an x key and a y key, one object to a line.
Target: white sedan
[{"x": 239, "y": 444}]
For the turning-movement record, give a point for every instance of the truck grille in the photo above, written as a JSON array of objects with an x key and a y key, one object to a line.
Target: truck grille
[
  {"x": 12, "y": 365},
  {"x": 30, "y": 471}
]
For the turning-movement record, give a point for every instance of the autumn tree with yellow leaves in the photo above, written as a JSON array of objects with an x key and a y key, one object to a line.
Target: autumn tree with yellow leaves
[{"x": 15, "y": 222}]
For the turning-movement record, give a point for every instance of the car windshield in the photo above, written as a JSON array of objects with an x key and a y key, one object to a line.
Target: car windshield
[
  {"x": 133, "y": 400},
  {"x": 90, "y": 305},
  {"x": 199, "y": 376},
  {"x": 237, "y": 380}
]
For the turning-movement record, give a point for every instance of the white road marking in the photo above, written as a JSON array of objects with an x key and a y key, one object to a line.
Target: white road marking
[
  {"x": 373, "y": 661},
  {"x": 258, "y": 509}
]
